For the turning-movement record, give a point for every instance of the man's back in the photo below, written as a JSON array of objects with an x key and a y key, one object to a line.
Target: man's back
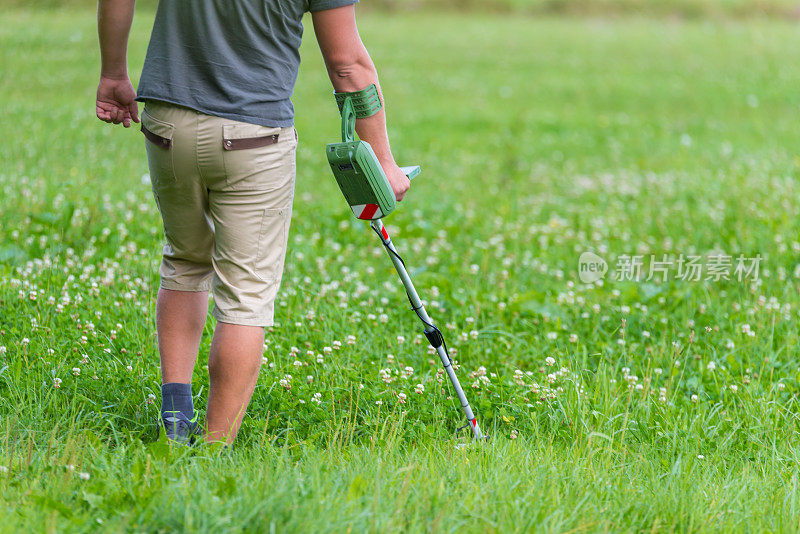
[{"x": 232, "y": 59}]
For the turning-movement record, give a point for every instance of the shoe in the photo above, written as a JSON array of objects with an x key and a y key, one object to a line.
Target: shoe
[{"x": 180, "y": 429}]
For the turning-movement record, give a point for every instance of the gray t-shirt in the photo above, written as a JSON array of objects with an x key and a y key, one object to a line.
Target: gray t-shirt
[{"x": 236, "y": 59}]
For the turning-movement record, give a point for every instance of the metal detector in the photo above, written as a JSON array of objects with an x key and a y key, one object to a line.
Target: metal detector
[{"x": 369, "y": 195}]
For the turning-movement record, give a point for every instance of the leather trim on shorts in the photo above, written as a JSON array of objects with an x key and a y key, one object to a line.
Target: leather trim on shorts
[
  {"x": 163, "y": 142},
  {"x": 249, "y": 142}
]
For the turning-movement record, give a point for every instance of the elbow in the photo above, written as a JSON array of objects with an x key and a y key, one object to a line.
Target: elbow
[{"x": 351, "y": 74}]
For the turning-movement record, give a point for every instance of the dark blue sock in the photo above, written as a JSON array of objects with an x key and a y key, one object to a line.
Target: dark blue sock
[{"x": 176, "y": 397}]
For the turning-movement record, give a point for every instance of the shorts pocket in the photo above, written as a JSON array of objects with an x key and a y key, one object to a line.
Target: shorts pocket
[
  {"x": 159, "y": 138},
  {"x": 272, "y": 241},
  {"x": 256, "y": 158}
]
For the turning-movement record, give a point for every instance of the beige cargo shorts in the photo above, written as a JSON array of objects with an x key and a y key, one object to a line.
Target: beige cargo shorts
[{"x": 224, "y": 189}]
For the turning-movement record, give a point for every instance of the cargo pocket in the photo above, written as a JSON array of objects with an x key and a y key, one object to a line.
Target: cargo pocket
[
  {"x": 272, "y": 244},
  {"x": 254, "y": 156},
  {"x": 159, "y": 149}
]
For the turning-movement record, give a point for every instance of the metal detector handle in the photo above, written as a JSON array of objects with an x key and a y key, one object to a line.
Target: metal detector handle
[{"x": 412, "y": 171}]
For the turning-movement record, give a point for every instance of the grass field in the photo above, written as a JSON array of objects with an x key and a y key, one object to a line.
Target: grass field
[{"x": 627, "y": 405}]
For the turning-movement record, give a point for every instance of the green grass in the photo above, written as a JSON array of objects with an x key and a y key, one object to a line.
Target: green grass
[{"x": 540, "y": 139}]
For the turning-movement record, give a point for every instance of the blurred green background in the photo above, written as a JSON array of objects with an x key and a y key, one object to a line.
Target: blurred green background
[{"x": 674, "y": 8}]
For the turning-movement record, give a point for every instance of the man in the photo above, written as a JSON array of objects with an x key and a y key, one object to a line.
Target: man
[{"x": 218, "y": 128}]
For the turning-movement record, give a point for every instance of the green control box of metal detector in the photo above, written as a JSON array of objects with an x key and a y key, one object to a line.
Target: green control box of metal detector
[{"x": 355, "y": 166}]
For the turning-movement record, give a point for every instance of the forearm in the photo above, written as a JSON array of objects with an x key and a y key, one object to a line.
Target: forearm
[
  {"x": 357, "y": 76},
  {"x": 114, "y": 19}
]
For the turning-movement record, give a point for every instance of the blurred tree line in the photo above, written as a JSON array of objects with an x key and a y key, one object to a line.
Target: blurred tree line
[{"x": 667, "y": 8}]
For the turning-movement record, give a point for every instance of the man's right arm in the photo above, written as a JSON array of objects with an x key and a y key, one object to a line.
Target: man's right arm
[
  {"x": 351, "y": 69},
  {"x": 115, "y": 95}
]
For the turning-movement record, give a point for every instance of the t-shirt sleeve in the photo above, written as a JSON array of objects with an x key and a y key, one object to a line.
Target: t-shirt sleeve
[{"x": 322, "y": 5}]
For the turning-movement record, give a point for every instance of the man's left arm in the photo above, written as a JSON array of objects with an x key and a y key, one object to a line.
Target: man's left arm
[{"x": 115, "y": 94}]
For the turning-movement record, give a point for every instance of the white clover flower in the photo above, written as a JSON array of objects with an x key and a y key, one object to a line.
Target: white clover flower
[
  {"x": 700, "y": 456},
  {"x": 320, "y": 359},
  {"x": 317, "y": 397},
  {"x": 401, "y": 339},
  {"x": 730, "y": 345},
  {"x": 56, "y": 382},
  {"x": 327, "y": 350},
  {"x": 390, "y": 358},
  {"x": 513, "y": 434},
  {"x": 552, "y": 335},
  {"x": 711, "y": 365},
  {"x": 550, "y": 361},
  {"x": 351, "y": 340},
  {"x": 310, "y": 378},
  {"x": 620, "y": 341},
  {"x": 734, "y": 388},
  {"x": 297, "y": 363},
  {"x": 573, "y": 338},
  {"x": 658, "y": 370},
  {"x": 379, "y": 402},
  {"x": 386, "y": 375},
  {"x": 401, "y": 397},
  {"x": 419, "y": 389},
  {"x": 76, "y": 371},
  {"x": 3, "y": 349},
  {"x": 286, "y": 382},
  {"x": 3, "y": 469},
  {"x": 84, "y": 476},
  {"x": 383, "y": 318},
  {"x": 264, "y": 360},
  {"x": 781, "y": 386},
  {"x": 694, "y": 398}
]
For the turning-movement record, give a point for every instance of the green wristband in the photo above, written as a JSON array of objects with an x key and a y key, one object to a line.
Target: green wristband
[{"x": 366, "y": 102}]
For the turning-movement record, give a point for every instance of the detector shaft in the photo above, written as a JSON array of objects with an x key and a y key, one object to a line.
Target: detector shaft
[{"x": 431, "y": 332}]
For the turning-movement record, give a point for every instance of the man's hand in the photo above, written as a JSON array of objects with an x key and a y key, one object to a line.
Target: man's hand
[
  {"x": 397, "y": 179},
  {"x": 116, "y": 101}
]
